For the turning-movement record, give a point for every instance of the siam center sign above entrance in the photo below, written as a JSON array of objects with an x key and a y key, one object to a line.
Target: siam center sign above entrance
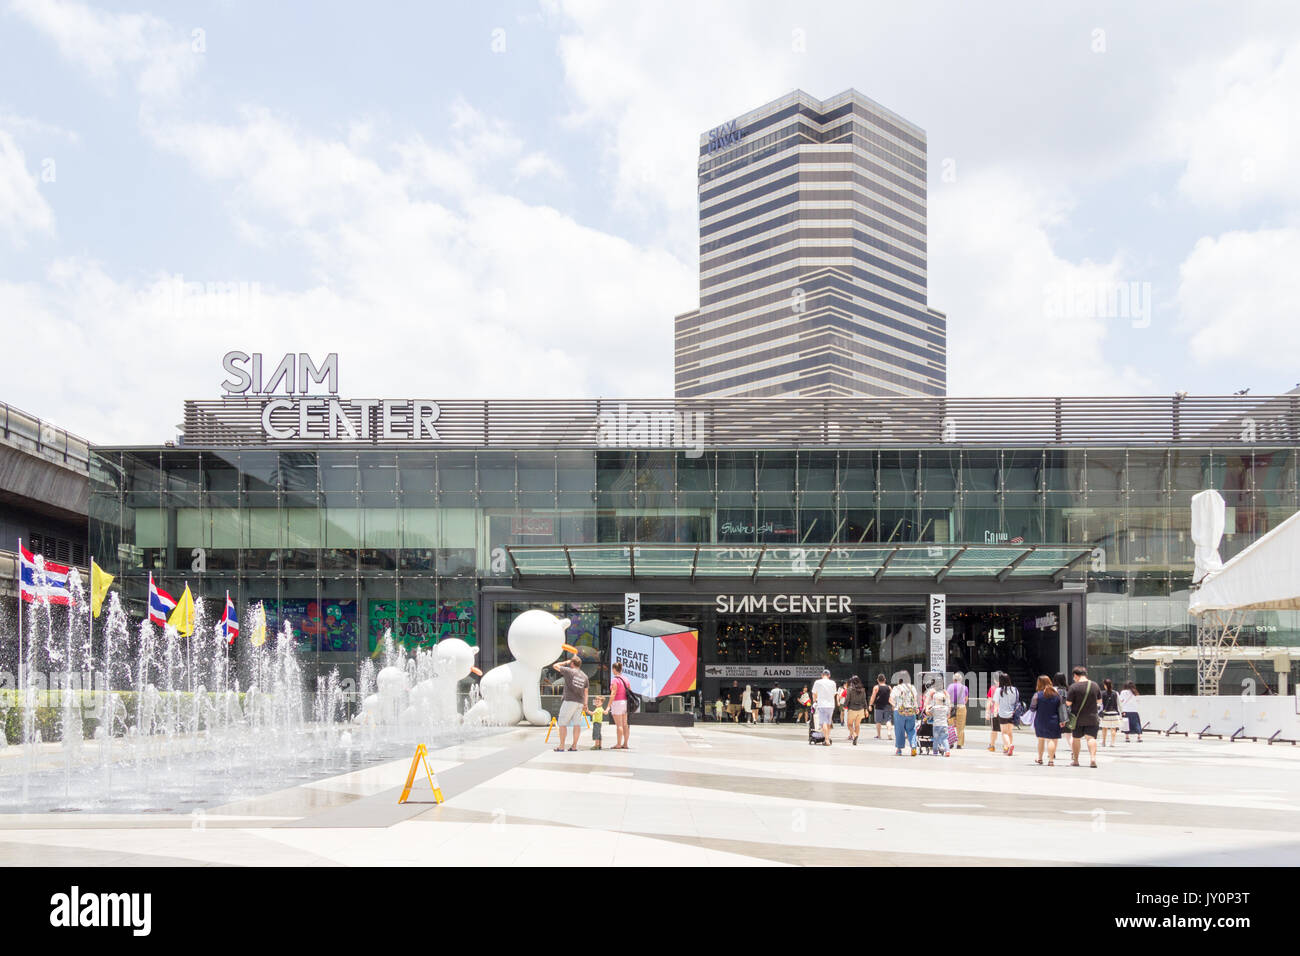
[{"x": 783, "y": 603}]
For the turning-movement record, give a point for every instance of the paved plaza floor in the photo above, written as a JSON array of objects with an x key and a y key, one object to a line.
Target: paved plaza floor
[{"x": 720, "y": 794}]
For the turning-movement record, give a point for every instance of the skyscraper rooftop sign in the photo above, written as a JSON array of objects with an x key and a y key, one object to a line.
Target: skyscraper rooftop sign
[{"x": 728, "y": 134}]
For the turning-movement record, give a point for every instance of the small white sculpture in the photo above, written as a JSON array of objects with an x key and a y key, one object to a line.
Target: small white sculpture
[
  {"x": 511, "y": 691},
  {"x": 453, "y": 661},
  {"x": 386, "y": 706}
]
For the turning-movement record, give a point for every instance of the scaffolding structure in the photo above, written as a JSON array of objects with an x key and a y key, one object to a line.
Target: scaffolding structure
[{"x": 1216, "y": 638}]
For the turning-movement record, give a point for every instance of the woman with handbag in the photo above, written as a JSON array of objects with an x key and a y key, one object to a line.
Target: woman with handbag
[
  {"x": 1048, "y": 719},
  {"x": 618, "y": 688},
  {"x": 1004, "y": 713},
  {"x": 1109, "y": 712}
]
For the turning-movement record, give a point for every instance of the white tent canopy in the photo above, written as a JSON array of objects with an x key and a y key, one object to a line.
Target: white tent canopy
[{"x": 1265, "y": 576}]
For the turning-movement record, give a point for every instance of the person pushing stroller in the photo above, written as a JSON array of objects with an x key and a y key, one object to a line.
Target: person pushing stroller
[{"x": 938, "y": 711}]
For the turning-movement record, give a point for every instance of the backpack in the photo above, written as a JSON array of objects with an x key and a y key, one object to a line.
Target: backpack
[
  {"x": 633, "y": 698},
  {"x": 1019, "y": 712}
]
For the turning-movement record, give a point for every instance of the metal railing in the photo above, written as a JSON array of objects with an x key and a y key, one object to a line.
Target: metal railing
[
  {"x": 31, "y": 434},
  {"x": 762, "y": 422}
]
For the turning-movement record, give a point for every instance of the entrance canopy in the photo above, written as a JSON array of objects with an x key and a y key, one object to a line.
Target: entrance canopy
[
  {"x": 922, "y": 562},
  {"x": 1265, "y": 576}
]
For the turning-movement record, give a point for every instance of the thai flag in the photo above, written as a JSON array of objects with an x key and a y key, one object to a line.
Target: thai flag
[
  {"x": 229, "y": 622},
  {"x": 161, "y": 604},
  {"x": 41, "y": 580}
]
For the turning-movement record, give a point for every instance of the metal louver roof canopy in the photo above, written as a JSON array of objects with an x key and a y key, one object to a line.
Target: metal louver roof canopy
[
  {"x": 779, "y": 422},
  {"x": 921, "y": 562}
]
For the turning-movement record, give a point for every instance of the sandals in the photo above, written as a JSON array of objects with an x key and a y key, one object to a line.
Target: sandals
[
  {"x": 1093, "y": 765},
  {"x": 1039, "y": 762},
  {"x": 1051, "y": 763}
]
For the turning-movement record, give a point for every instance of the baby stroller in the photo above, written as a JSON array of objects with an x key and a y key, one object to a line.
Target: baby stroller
[
  {"x": 924, "y": 734},
  {"x": 815, "y": 735}
]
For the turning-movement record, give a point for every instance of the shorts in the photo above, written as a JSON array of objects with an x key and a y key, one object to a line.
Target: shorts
[
  {"x": 825, "y": 715},
  {"x": 856, "y": 714},
  {"x": 884, "y": 715},
  {"x": 1081, "y": 731},
  {"x": 1003, "y": 723},
  {"x": 618, "y": 707},
  {"x": 570, "y": 714}
]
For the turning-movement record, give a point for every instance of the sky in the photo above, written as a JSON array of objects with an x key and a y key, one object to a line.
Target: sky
[{"x": 499, "y": 199}]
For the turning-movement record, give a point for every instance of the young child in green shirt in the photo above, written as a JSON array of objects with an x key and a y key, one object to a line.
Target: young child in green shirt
[{"x": 597, "y": 717}]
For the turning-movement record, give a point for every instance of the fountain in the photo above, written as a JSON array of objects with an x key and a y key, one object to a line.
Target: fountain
[{"x": 145, "y": 718}]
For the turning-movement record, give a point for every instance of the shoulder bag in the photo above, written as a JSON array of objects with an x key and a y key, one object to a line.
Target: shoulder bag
[{"x": 1074, "y": 718}]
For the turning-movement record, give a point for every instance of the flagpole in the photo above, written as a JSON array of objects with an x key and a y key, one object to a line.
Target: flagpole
[
  {"x": 90, "y": 632},
  {"x": 20, "y": 622}
]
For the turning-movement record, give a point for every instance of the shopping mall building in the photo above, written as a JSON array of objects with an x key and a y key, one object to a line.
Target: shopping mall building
[{"x": 794, "y": 533}]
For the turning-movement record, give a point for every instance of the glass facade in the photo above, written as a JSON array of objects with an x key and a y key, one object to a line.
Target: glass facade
[{"x": 344, "y": 543}]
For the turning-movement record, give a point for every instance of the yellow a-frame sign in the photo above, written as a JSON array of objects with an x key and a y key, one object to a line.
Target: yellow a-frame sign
[{"x": 421, "y": 757}]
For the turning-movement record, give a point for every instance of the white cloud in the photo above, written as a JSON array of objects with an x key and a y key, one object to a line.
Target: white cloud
[
  {"x": 1237, "y": 295},
  {"x": 1234, "y": 126},
  {"x": 996, "y": 275},
  {"x": 481, "y": 137},
  {"x": 158, "y": 58},
  {"x": 650, "y": 78},
  {"x": 279, "y": 168},
  {"x": 30, "y": 126},
  {"x": 538, "y": 164},
  {"x": 23, "y": 210},
  {"x": 475, "y": 295}
]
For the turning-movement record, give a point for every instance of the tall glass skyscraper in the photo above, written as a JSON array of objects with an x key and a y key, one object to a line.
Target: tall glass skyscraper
[{"x": 812, "y": 257}]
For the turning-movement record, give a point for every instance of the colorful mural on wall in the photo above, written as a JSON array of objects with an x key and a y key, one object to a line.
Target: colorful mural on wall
[
  {"x": 329, "y": 626},
  {"x": 422, "y": 623}
]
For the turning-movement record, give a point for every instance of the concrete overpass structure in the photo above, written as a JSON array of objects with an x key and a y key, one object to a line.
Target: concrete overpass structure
[{"x": 44, "y": 492}]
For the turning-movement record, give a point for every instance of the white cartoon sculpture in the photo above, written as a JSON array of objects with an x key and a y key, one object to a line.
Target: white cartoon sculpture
[
  {"x": 453, "y": 661},
  {"x": 385, "y": 706},
  {"x": 511, "y": 690},
  {"x": 432, "y": 701}
]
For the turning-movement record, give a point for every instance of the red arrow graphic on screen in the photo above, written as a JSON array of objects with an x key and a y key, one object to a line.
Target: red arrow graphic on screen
[{"x": 685, "y": 648}]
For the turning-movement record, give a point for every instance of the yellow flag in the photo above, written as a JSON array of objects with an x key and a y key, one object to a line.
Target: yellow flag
[
  {"x": 258, "y": 637},
  {"x": 99, "y": 582},
  {"x": 183, "y": 617}
]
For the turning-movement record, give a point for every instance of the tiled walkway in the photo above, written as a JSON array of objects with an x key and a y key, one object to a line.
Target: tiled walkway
[{"x": 720, "y": 794}]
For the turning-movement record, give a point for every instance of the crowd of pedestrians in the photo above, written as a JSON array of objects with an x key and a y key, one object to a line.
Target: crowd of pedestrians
[{"x": 1092, "y": 715}]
